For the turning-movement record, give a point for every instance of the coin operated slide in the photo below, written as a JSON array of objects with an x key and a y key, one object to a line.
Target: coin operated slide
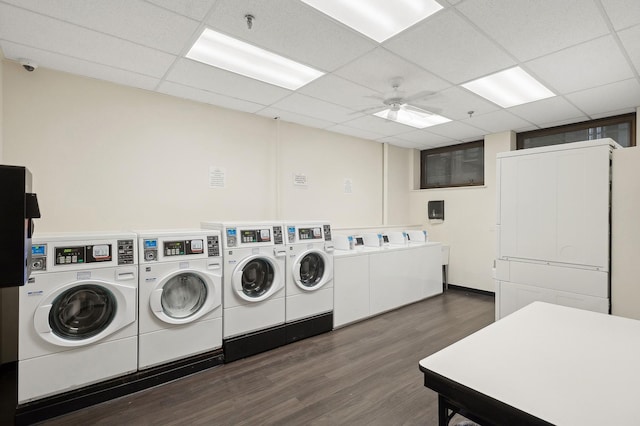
[{"x": 19, "y": 208}]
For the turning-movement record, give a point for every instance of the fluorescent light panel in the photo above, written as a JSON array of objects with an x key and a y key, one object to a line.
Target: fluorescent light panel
[
  {"x": 509, "y": 88},
  {"x": 415, "y": 117},
  {"x": 228, "y": 53},
  {"x": 377, "y": 19}
]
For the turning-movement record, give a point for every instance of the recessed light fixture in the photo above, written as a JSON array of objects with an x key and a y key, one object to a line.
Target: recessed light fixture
[
  {"x": 377, "y": 19},
  {"x": 412, "y": 116},
  {"x": 228, "y": 53},
  {"x": 509, "y": 88}
]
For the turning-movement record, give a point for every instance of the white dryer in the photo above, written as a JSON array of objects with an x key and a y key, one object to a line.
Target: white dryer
[
  {"x": 254, "y": 304},
  {"x": 180, "y": 299},
  {"x": 309, "y": 279},
  {"x": 77, "y": 320}
]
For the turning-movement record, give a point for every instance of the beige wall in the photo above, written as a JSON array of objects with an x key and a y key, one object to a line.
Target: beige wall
[
  {"x": 470, "y": 220},
  {"x": 398, "y": 184},
  {"x": 326, "y": 160},
  {"x": 109, "y": 157}
]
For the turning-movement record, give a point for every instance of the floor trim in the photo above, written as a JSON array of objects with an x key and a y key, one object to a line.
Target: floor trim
[{"x": 471, "y": 290}]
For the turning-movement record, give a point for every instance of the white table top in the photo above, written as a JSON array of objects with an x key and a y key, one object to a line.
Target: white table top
[{"x": 563, "y": 365}]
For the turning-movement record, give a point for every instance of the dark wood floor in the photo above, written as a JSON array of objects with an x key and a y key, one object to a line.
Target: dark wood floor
[{"x": 363, "y": 374}]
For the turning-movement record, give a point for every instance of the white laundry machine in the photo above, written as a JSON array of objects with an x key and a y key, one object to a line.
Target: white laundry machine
[
  {"x": 254, "y": 295},
  {"x": 309, "y": 279},
  {"x": 77, "y": 320},
  {"x": 180, "y": 298}
]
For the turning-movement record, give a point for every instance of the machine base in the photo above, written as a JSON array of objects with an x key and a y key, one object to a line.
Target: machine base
[
  {"x": 308, "y": 327},
  {"x": 76, "y": 399},
  {"x": 239, "y": 347}
]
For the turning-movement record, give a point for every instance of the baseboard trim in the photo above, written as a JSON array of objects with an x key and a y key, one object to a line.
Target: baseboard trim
[{"x": 471, "y": 290}]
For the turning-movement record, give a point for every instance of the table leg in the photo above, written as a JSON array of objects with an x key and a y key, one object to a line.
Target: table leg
[{"x": 443, "y": 411}]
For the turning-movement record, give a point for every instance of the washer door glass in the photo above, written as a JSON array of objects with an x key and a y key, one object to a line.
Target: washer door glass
[
  {"x": 82, "y": 312},
  {"x": 311, "y": 270},
  {"x": 257, "y": 277},
  {"x": 183, "y": 295}
]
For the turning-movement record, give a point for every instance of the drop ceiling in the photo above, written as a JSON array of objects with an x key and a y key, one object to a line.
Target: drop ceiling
[{"x": 587, "y": 52}]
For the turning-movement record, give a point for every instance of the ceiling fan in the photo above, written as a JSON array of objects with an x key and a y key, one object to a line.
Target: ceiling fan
[{"x": 396, "y": 101}]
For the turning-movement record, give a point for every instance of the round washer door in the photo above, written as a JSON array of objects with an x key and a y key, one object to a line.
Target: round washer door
[
  {"x": 312, "y": 270},
  {"x": 184, "y": 296},
  {"x": 257, "y": 277},
  {"x": 84, "y": 312}
]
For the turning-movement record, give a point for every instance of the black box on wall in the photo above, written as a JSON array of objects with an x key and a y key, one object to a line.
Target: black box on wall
[
  {"x": 435, "y": 210},
  {"x": 19, "y": 208}
]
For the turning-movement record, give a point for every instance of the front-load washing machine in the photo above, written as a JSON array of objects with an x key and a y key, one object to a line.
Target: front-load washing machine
[
  {"x": 253, "y": 301},
  {"x": 77, "y": 314},
  {"x": 180, "y": 299},
  {"x": 309, "y": 279}
]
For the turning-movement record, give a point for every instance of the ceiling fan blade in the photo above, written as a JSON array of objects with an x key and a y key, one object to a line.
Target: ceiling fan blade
[
  {"x": 423, "y": 109},
  {"x": 419, "y": 96},
  {"x": 370, "y": 110}
]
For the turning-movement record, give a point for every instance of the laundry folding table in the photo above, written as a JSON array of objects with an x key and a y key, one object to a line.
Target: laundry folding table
[{"x": 542, "y": 365}]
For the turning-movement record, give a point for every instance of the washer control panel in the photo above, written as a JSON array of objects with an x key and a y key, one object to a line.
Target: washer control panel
[
  {"x": 39, "y": 257},
  {"x": 213, "y": 246},
  {"x": 327, "y": 232},
  {"x": 277, "y": 235}
]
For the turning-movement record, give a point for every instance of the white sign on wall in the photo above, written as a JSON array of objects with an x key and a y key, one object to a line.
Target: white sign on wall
[
  {"x": 216, "y": 177},
  {"x": 300, "y": 179},
  {"x": 348, "y": 186}
]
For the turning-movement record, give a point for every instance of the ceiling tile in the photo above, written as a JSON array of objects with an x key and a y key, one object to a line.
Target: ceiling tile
[
  {"x": 529, "y": 29},
  {"x": 376, "y": 69},
  {"x": 293, "y": 117},
  {"x": 580, "y": 67},
  {"x": 548, "y": 110},
  {"x": 497, "y": 121},
  {"x": 315, "y": 107},
  {"x": 450, "y": 48},
  {"x": 457, "y": 130},
  {"x": 631, "y": 41},
  {"x": 78, "y": 66},
  {"x": 397, "y": 142},
  {"x": 204, "y": 96},
  {"x": 608, "y": 98},
  {"x": 339, "y": 91},
  {"x": 455, "y": 103},
  {"x": 34, "y": 30},
  {"x": 425, "y": 138},
  {"x": 622, "y": 13},
  {"x": 378, "y": 125},
  {"x": 352, "y": 131},
  {"x": 197, "y": 75},
  {"x": 163, "y": 29},
  {"x": 292, "y": 29},
  {"x": 196, "y": 9}
]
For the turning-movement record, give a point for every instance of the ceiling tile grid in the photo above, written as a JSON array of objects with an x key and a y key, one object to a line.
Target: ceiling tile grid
[{"x": 587, "y": 52}]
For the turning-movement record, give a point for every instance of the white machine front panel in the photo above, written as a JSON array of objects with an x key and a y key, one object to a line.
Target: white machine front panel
[
  {"x": 309, "y": 269},
  {"x": 516, "y": 296},
  {"x": 304, "y": 305},
  {"x": 194, "y": 293},
  {"x": 554, "y": 206},
  {"x": 244, "y": 319},
  {"x": 58, "y": 311},
  {"x": 351, "y": 289},
  {"x": 174, "y": 343},
  {"x": 60, "y": 372}
]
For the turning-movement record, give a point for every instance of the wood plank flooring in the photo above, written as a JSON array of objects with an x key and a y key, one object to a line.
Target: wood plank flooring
[{"x": 363, "y": 374}]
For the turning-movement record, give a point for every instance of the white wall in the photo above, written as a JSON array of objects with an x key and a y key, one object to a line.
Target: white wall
[
  {"x": 470, "y": 220},
  {"x": 108, "y": 157}
]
